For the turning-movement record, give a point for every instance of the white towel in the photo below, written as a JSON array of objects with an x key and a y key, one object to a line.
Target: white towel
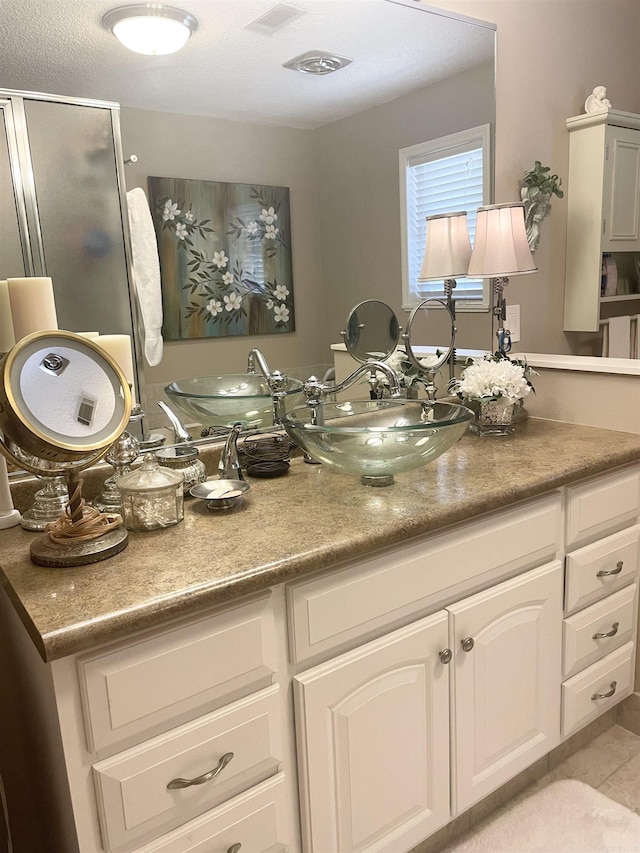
[
  {"x": 620, "y": 337},
  {"x": 146, "y": 272}
]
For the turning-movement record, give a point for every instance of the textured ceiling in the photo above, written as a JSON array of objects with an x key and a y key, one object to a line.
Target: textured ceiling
[{"x": 225, "y": 70}]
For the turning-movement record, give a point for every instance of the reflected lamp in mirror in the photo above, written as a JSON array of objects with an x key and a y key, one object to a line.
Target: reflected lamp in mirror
[
  {"x": 447, "y": 250},
  {"x": 150, "y": 28},
  {"x": 501, "y": 250}
]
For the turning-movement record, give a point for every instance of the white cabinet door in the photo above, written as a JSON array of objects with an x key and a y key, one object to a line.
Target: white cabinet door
[
  {"x": 507, "y": 682},
  {"x": 373, "y": 741},
  {"x": 621, "y": 225}
]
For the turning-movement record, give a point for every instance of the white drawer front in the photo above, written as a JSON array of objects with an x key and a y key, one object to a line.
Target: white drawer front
[
  {"x": 602, "y": 506},
  {"x": 578, "y": 705},
  {"x": 134, "y": 802},
  {"x": 359, "y": 602},
  {"x": 597, "y": 570},
  {"x": 256, "y": 820},
  {"x": 186, "y": 669},
  {"x": 598, "y": 630}
]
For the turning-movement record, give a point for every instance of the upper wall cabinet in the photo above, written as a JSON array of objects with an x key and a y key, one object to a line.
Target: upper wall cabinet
[{"x": 603, "y": 225}]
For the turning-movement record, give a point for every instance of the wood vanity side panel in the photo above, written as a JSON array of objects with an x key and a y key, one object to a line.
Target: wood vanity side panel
[
  {"x": 191, "y": 668},
  {"x": 358, "y": 602}
]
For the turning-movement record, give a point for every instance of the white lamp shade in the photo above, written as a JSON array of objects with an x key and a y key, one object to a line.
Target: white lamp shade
[
  {"x": 150, "y": 28},
  {"x": 447, "y": 249},
  {"x": 501, "y": 247}
]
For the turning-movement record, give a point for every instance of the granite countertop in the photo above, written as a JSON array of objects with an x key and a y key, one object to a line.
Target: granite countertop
[{"x": 307, "y": 520}]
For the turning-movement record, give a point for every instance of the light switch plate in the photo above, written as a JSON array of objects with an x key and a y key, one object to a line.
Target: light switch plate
[{"x": 513, "y": 322}]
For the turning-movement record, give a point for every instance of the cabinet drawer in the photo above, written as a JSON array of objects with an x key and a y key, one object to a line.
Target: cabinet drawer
[
  {"x": 361, "y": 601},
  {"x": 185, "y": 671},
  {"x": 134, "y": 802},
  {"x": 614, "y": 615},
  {"x": 597, "y": 570},
  {"x": 578, "y": 703},
  {"x": 602, "y": 506},
  {"x": 256, "y": 820}
]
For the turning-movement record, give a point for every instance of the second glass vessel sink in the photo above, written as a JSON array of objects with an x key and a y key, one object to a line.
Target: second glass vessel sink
[
  {"x": 233, "y": 398},
  {"x": 375, "y": 439}
]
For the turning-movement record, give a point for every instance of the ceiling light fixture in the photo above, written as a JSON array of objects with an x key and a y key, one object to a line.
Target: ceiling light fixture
[{"x": 150, "y": 28}]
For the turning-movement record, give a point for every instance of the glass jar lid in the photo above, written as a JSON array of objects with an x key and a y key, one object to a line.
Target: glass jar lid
[
  {"x": 176, "y": 457},
  {"x": 150, "y": 477}
]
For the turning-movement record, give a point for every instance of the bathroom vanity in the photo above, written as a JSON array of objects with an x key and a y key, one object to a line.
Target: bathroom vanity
[{"x": 329, "y": 667}]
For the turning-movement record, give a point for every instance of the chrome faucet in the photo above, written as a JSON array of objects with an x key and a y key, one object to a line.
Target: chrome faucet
[
  {"x": 276, "y": 380},
  {"x": 315, "y": 391},
  {"x": 229, "y": 464}
]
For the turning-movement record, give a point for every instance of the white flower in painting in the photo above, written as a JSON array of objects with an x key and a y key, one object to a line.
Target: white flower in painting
[
  {"x": 170, "y": 210},
  {"x": 268, "y": 216},
  {"x": 281, "y": 313},
  {"x": 181, "y": 230},
  {"x": 214, "y": 307},
  {"x": 269, "y": 303},
  {"x": 227, "y": 278},
  {"x": 189, "y": 216},
  {"x": 270, "y": 232},
  {"x": 252, "y": 227},
  {"x": 281, "y": 292},
  {"x": 232, "y": 302},
  {"x": 220, "y": 259}
]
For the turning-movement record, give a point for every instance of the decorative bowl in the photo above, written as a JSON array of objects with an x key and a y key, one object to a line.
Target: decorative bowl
[
  {"x": 376, "y": 439},
  {"x": 234, "y": 398}
]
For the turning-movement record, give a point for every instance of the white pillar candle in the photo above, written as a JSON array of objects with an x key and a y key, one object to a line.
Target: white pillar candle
[
  {"x": 7, "y": 339},
  {"x": 119, "y": 348},
  {"x": 33, "y": 307},
  {"x": 9, "y": 517}
]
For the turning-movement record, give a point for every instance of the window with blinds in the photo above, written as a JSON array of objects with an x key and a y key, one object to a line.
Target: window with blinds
[{"x": 442, "y": 176}]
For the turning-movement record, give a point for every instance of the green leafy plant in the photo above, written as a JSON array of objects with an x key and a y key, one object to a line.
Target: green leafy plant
[{"x": 541, "y": 182}]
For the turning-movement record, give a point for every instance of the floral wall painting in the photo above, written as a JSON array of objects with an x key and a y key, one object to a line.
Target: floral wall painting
[{"x": 225, "y": 258}]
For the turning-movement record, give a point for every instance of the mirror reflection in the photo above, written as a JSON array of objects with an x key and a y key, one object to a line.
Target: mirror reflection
[{"x": 333, "y": 140}]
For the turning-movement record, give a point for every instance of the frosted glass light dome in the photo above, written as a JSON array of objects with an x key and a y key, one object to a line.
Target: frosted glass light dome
[{"x": 150, "y": 28}]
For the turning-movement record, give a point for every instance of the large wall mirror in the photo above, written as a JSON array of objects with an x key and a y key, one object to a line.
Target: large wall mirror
[{"x": 224, "y": 109}]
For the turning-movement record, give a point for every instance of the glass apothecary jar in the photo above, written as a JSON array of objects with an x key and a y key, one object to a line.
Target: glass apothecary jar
[{"x": 152, "y": 496}]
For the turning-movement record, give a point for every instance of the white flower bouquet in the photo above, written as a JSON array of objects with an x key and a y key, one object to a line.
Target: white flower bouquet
[{"x": 492, "y": 377}]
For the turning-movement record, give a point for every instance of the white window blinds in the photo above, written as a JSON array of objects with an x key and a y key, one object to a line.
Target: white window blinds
[{"x": 442, "y": 176}]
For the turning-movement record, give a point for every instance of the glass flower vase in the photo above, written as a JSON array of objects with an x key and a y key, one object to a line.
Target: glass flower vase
[{"x": 493, "y": 416}]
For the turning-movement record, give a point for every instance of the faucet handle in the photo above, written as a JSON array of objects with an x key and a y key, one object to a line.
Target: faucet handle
[
  {"x": 314, "y": 391},
  {"x": 229, "y": 464}
]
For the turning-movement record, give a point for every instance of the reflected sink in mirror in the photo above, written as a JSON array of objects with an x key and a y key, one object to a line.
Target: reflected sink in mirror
[
  {"x": 234, "y": 398},
  {"x": 376, "y": 439}
]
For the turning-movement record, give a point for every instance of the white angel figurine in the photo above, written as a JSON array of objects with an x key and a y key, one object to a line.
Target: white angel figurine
[{"x": 597, "y": 100}]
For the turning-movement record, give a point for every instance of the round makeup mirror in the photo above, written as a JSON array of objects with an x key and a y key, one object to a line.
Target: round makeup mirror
[
  {"x": 430, "y": 337},
  {"x": 63, "y": 402},
  {"x": 372, "y": 331}
]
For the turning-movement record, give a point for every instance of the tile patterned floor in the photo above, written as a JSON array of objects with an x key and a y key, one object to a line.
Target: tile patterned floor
[{"x": 610, "y": 763}]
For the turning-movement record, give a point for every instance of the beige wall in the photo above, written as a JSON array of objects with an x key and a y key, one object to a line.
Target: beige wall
[
  {"x": 179, "y": 146},
  {"x": 550, "y": 55},
  {"x": 360, "y": 195}
]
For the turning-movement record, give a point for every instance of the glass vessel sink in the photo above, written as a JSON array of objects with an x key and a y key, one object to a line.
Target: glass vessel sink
[
  {"x": 379, "y": 438},
  {"x": 234, "y": 398}
]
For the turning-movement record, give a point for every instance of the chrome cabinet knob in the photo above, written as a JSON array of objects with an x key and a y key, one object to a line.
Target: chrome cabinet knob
[
  {"x": 446, "y": 655},
  {"x": 605, "y": 573},
  {"x": 608, "y": 693},
  {"x": 467, "y": 644},
  {"x": 176, "y": 784}
]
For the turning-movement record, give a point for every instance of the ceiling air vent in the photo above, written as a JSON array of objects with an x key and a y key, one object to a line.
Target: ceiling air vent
[
  {"x": 317, "y": 62},
  {"x": 275, "y": 19}
]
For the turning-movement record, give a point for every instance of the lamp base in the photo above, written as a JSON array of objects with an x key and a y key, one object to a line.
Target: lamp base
[{"x": 45, "y": 552}]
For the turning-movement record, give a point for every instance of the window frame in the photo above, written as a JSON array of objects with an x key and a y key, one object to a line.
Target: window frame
[{"x": 479, "y": 137}]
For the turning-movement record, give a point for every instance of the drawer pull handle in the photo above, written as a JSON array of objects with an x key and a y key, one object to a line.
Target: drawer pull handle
[
  {"x": 600, "y": 635},
  {"x": 608, "y": 693},
  {"x": 604, "y": 573},
  {"x": 467, "y": 644},
  {"x": 235, "y": 848},
  {"x": 445, "y": 656},
  {"x": 200, "y": 780}
]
